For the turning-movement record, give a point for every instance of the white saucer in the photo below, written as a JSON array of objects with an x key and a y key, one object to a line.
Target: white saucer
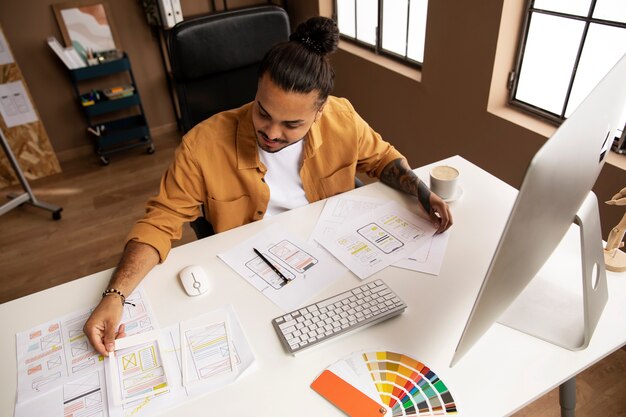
[{"x": 456, "y": 196}]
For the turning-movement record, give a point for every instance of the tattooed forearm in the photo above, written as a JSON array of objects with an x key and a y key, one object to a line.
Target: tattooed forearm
[{"x": 397, "y": 174}]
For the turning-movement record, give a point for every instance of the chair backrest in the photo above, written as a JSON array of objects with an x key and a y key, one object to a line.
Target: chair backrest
[{"x": 215, "y": 58}]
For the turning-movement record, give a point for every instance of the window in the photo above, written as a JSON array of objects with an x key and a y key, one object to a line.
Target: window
[
  {"x": 566, "y": 48},
  {"x": 394, "y": 28}
]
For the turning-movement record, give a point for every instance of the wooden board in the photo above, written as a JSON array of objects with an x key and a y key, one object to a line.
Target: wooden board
[{"x": 30, "y": 142}]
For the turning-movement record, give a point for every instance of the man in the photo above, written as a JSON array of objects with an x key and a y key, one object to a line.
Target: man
[{"x": 292, "y": 145}]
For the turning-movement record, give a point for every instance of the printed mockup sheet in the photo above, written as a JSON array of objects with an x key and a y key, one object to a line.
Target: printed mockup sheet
[
  {"x": 171, "y": 355},
  {"x": 341, "y": 209},
  {"x": 208, "y": 351},
  {"x": 51, "y": 354},
  {"x": 378, "y": 238},
  {"x": 144, "y": 366},
  {"x": 429, "y": 257},
  {"x": 307, "y": 268},
  {"x": 136, "y": 369},
  {"x": 82, "y": 396}
]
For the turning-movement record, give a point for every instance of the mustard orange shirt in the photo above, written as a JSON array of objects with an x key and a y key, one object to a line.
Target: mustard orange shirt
[{"x": 217, "y": 165}]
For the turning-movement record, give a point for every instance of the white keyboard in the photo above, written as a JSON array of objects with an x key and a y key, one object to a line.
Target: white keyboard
[{"x": 362, "y": 306}]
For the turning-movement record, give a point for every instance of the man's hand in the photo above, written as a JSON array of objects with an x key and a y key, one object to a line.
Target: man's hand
[
  {"x": 102, "y": 327},
  {"x": 440, "y": 213},
  {"x": 398, "y": 174}
]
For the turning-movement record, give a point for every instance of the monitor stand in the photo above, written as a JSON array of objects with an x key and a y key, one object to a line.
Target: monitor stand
[{"x": 554, "y": 307}]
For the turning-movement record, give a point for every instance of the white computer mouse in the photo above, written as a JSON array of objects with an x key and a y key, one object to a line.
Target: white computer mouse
[{"x": 195, "y": 280}]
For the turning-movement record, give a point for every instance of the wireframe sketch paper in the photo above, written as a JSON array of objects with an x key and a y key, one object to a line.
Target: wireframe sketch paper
[
  {"x": 308, "y": 269},
  {"x": 378, "y": 239},
  {"x": 239, "y": 351},
  {"x": 51, "y": 354},
  {"x": 178, "y": 393},
  {"x": 429, "y": 257},
  {"x": 341, "y": 209},
  {"x": 207, "y": 349},
  {"x": 84, "y": 395},
  {"x": 136, "y": 369}
]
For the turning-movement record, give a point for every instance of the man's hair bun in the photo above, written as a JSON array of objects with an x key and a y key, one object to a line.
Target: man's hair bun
[{"x": 318, "y": 34}]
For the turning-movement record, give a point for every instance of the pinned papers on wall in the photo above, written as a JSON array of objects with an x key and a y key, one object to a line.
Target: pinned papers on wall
[
  {"x": 15, "y": 106},
  {"x": 5, "y": 51}
]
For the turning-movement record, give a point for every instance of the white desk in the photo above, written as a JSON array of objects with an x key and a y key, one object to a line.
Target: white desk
[{"x": 503, "y": 372}]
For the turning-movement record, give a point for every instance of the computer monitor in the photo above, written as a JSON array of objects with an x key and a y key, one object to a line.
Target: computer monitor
[{"x": 555, "y": 192}]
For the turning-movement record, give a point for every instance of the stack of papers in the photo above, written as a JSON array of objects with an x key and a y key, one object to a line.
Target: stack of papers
[
  {"x": 59, "y": 373},
  {"x": 368, "y": 234},
  {"x": 70, "y": 57},
  {"x": 364, "y": 234}
]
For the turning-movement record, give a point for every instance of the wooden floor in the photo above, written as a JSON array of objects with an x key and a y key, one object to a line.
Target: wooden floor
[{"x": 100, "y": 204}]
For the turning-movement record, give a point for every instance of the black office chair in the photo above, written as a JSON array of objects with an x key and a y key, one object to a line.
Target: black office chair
[
  {"x": 214, "y": 61},
  {"x": 215, "y": 58}
]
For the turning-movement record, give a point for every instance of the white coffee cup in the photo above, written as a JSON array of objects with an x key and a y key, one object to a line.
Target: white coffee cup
[{"x": 444, "y": 181}]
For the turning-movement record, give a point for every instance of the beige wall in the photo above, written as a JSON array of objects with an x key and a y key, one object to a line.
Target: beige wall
[
  {"x": 27, "y": 24},
  {"x": 443, "y": 114},
  {"x": 446, "y": 112}
]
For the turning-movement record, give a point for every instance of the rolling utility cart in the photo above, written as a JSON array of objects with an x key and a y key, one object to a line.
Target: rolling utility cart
[{"x": 114, "y": 134}]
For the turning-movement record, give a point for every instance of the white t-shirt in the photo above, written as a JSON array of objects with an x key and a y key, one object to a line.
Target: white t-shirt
[{"x": 283, "y": 178}]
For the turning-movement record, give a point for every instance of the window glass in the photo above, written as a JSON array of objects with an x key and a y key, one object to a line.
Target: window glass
[
  {"x": 394, "y": 25},
  {"x": 575, "y": 7},
  {"x": 366, "y": 20},
  {"x": 604, "y": 46},
  {"x": 614, "y": 10},
  {"x": 399, "y": 32},
  {"x": 417, "y": 29},
  {"x": 549, "y": 57},
  {"x": 345, "y": 17}
]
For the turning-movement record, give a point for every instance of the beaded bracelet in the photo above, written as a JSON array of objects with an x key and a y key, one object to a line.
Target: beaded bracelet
[{"x": 113, "y": 291}]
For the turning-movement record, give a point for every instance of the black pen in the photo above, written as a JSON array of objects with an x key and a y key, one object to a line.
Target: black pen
[{"x": 264, "y": 259}]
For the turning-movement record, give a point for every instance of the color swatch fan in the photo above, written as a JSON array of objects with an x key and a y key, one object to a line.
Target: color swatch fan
[{"x": 373, "y": 384}]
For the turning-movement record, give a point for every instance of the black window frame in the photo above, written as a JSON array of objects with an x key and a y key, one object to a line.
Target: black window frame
[
  {"x": 514, "y": 75},
  {"x": 377, "y": 47}
]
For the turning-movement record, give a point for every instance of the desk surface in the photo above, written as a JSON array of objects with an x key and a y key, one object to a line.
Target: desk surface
[{"x": 502, "y": 373}]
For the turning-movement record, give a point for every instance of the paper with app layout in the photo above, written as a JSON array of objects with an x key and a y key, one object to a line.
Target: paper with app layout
[
  {"x": 284, "y": 269},
  {"x": 378, "y": 239}
]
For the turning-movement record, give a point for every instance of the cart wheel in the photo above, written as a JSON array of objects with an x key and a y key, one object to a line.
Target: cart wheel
[
  {"x": 104, "y": 160},
  {"x": 56, "y": 215},
  {"x": 150, "y": 149}
]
